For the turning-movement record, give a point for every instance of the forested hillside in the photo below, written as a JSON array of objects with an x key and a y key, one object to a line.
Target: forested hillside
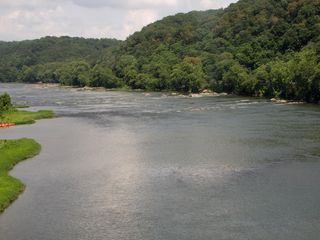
[
  {"x": 31, "y": 60},
  {"x": 254, "y": 47},
  {"x": 264, "y": 48}
]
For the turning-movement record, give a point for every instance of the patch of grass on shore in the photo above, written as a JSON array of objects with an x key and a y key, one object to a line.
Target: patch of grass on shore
[
  {"x": 24, "y": 117},
  {"x": 11, "y": 153}
]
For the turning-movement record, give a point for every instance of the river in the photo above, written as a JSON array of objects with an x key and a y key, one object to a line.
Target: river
[{"x": 124, "y": 165}]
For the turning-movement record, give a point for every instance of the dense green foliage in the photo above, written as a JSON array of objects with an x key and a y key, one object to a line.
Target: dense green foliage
[
  {"x": 12, "y": 152},
  {"x": 254, "y": 47},
  {"x": 5, "y": 103},
  {"x": 264, "y": 48},
  {"x": 37, "y": 60}
]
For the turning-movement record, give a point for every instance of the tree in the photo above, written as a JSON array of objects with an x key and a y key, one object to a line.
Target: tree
[
  {"x": 5, "y": 104},
  {"x": 75, "y": 73},
  {"x": 187, "y": 76},
  {"x": 103, "y": 77},
  {"x": 28, "y": 74},
  {"x": 236, "y": 80}
]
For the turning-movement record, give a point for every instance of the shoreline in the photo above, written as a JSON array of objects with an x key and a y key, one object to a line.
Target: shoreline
[
  {"x": 20, "y": 117},
  {"x": 14, "y": 151},
  {"x": 203, "y": 93}
]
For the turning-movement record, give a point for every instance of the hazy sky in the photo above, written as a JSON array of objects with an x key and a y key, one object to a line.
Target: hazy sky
[{"x": 29, "y": 19}]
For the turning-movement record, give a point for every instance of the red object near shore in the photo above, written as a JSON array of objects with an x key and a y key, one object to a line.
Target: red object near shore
[{"x": 6, "y": 125}]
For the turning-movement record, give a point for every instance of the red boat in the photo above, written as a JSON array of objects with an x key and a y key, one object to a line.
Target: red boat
[{"x": 6, "y": 125}]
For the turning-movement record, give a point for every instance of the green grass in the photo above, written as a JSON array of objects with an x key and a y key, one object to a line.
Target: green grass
[
  {"x": 24, "y": 117},
  {"x": 11, "y": 153},
  {"x": 14, "y": 151}
]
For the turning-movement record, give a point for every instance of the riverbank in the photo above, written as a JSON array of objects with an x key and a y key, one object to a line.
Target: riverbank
[
  {"x": 203, "y": 93},
  {"x": 11, "y": 153},
  {"x": 15, "y": 151},
  {"x": 19, "y": 117}
]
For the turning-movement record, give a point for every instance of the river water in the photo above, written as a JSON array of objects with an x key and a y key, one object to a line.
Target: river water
[{"x": 118, "y": 165}]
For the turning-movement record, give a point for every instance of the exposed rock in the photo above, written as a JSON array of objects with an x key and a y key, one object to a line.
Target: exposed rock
[
  {"x": 207, "y": 93},
  {"x": 277, "y": 100},
  {"x": 86, "y": 89},
  {"x": 41, "y": 85}
]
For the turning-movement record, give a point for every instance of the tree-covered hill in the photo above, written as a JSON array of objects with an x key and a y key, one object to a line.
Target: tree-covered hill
[
  {"x": 19, "y": 57},
  {"x": 254, "y": 47}
]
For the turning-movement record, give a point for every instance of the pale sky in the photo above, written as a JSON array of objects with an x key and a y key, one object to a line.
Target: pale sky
[{"x": 30, "y": 19}]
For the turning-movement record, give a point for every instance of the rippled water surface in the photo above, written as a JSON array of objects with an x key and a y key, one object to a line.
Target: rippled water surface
[{"x": 117, "y": 165}]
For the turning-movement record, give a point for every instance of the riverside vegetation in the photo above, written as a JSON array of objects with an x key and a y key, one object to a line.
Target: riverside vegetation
[
  {"x": 8, "y": 113},
  {"x": 14, "y": 151},
  {"x": 268, "y": 48}
]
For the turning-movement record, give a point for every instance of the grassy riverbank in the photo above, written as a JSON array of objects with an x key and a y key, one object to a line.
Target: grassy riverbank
[
  {"x": 24, "y": 117},
  {"x": 14, "y": 151},
  {"x": 11, "y": 153}
]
